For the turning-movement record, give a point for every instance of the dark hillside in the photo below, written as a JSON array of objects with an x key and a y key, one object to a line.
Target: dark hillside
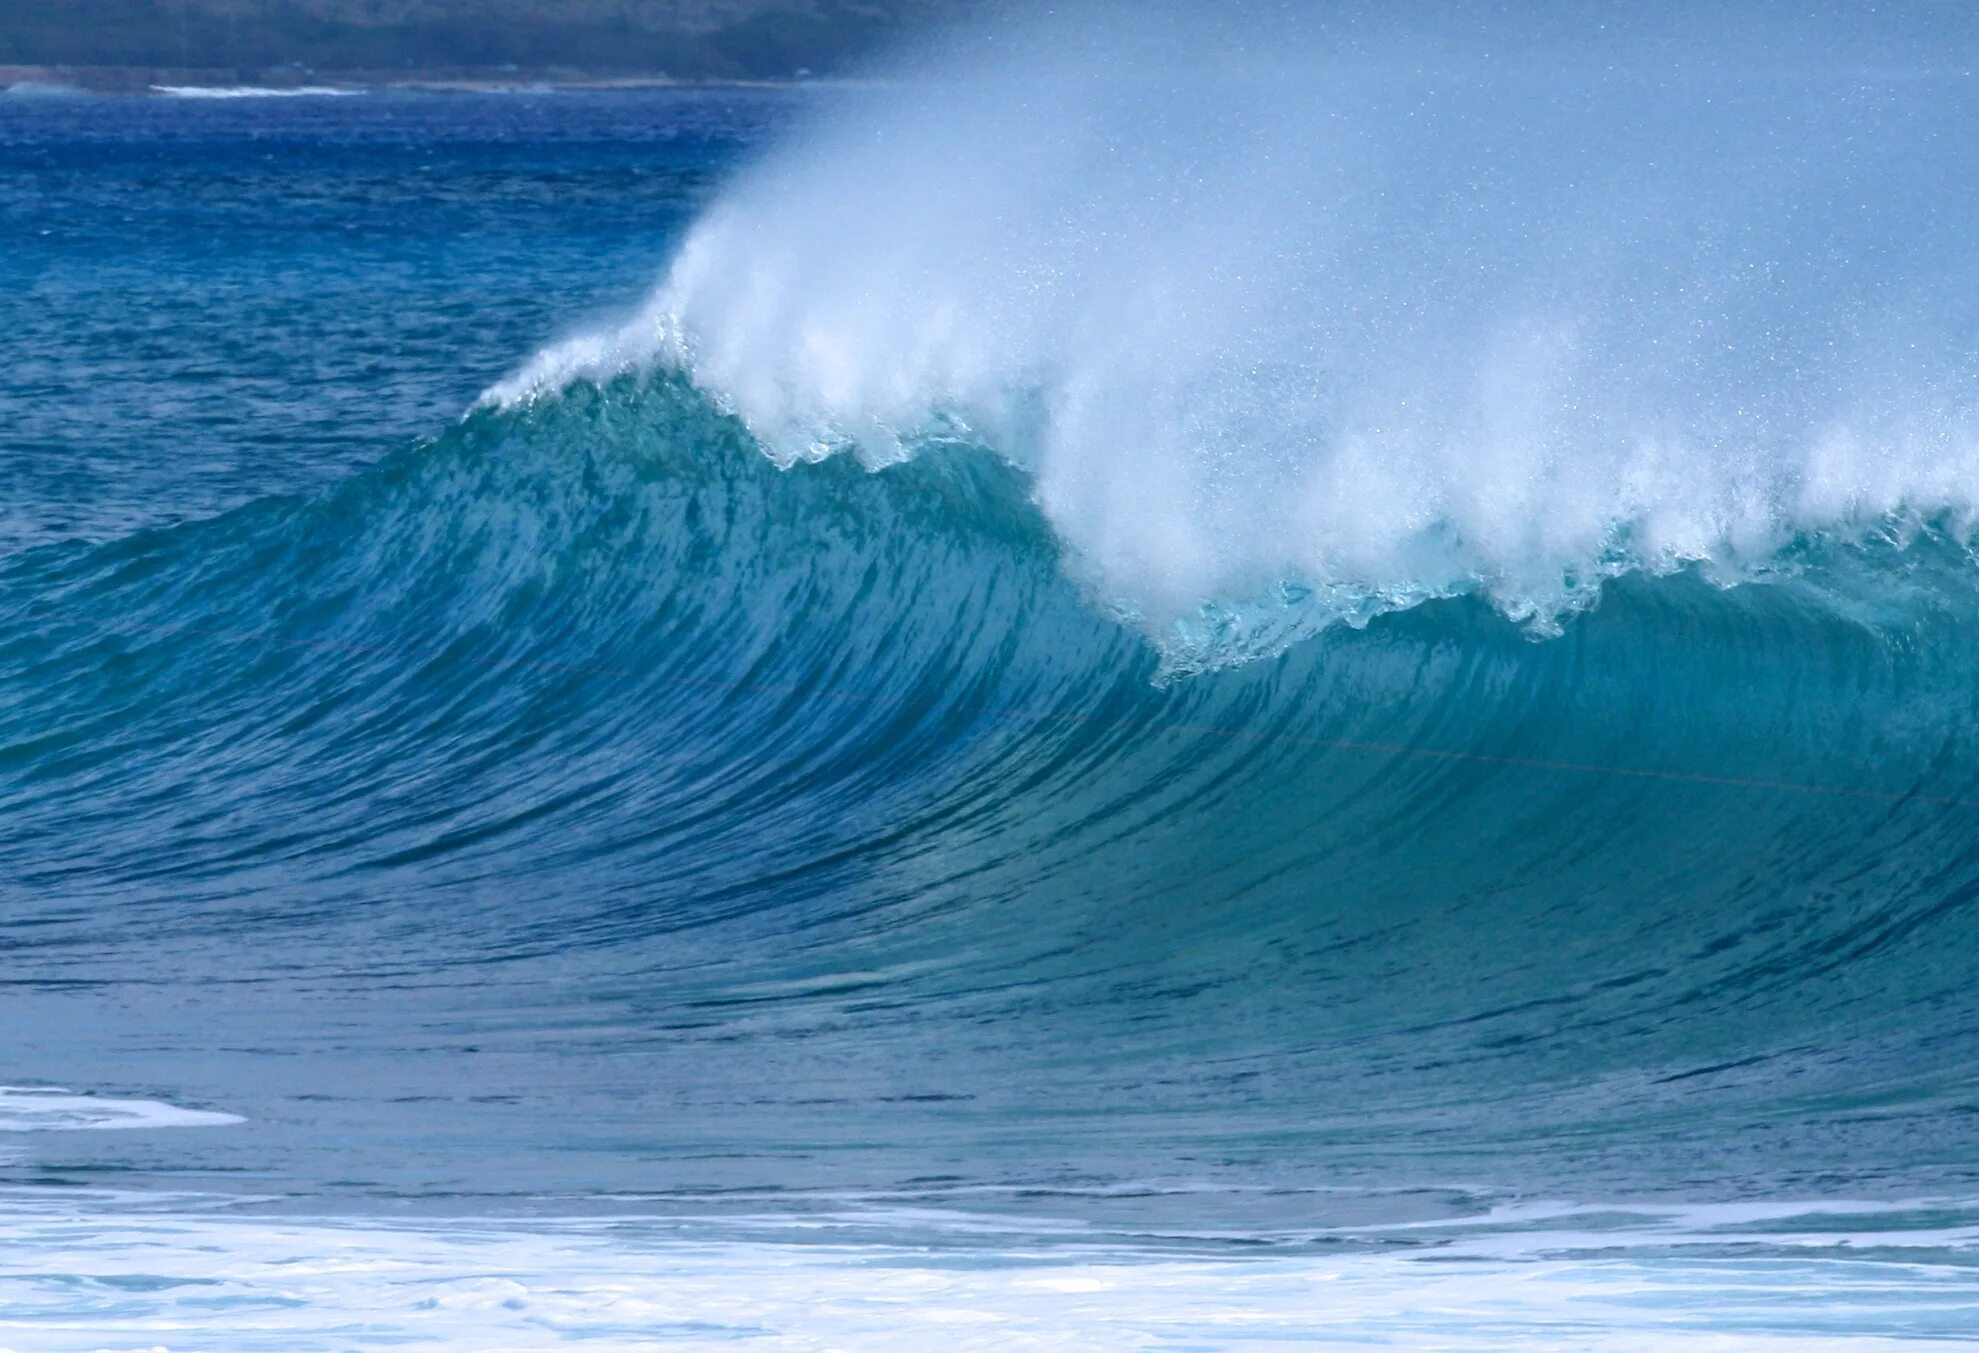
[{"x": 686, "y": 38}]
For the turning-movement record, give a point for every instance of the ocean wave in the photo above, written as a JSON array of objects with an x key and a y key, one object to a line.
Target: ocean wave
[
  {"x": 1044, "y": 636},
  {"x": 1307, "y": 702},
  {"x": 592, "y": 676}
]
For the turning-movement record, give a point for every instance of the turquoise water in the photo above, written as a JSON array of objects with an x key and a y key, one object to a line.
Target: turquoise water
[{"x": 943, "y": 763}]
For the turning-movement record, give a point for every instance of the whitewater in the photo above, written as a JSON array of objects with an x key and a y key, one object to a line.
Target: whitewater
[{"x": 1155, "y": 684}]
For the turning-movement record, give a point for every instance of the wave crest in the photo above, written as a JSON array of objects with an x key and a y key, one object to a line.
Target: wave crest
[{"x": 1360, "y": 335}]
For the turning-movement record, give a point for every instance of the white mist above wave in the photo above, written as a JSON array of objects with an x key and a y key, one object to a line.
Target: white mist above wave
[{"x": 1292, "y": 326}]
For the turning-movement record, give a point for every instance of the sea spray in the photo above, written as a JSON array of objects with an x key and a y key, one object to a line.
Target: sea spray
[{"x": 1296, "y": 331}]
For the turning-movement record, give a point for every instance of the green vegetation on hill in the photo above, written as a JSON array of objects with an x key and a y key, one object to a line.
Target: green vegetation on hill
[{"x": 688, "y": 38}]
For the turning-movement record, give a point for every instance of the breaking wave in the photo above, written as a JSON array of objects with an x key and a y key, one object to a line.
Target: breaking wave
[{"x": 1307, "y": 332}]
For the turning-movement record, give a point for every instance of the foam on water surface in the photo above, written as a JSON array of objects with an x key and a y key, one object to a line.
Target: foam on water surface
[
  {"x": 53, "y": 1109},
  {"x": 252, "y": 92},
  {"x": 191, "y": 1279}
]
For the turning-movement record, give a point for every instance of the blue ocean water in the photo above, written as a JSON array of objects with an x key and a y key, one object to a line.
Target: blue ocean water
[{"x": 1027, "y": 713}]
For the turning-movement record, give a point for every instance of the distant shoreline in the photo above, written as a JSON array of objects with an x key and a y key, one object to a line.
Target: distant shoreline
[{"x": 164, "y": 80}]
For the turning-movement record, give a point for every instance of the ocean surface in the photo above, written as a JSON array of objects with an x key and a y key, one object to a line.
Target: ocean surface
[{"x": 1173, "y": 711}]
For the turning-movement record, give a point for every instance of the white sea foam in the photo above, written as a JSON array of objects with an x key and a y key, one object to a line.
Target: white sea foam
[
  {"x": 53, "y": 1109},
  {"x": 252, "y": 92},
  {"x": 1274, "y": 312},
  {"x": 94, "y": 1276},
  {"x": 42, "y": 89}
]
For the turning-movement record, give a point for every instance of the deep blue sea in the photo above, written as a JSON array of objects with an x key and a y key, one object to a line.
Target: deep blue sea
[{"x": 1175, "y": 711}]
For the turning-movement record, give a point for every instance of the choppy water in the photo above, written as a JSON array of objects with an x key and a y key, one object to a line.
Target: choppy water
[{"x": 1400, "y": 773}]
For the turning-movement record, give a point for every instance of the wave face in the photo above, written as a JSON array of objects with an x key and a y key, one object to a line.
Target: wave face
[{"x": 707, "y": 784}]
